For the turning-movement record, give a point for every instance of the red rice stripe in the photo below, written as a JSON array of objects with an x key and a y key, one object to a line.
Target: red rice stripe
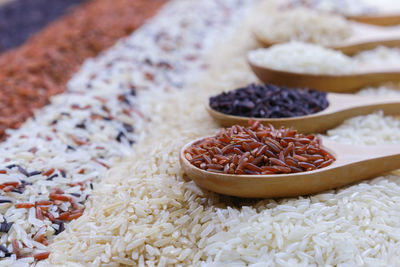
[{"x": 40, "y": 68}]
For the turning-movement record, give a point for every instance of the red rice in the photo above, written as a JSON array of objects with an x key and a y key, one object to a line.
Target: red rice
[{"x": 258, "y": 149}]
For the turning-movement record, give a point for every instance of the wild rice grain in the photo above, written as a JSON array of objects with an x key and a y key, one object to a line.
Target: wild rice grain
[
  {"x": 16, "y": 248},
  {"x": 41, "y": 256}
]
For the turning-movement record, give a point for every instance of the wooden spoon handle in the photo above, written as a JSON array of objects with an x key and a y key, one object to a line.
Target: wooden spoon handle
[
  {"x": 357, "y": 162},
  {"x": 368, "y": 104},
  {"x": 366, "y": 37},
  {"x": 350, "y": 153},
  {"x": 374, "y": 33},
  {"x": 382, "y": 19}
]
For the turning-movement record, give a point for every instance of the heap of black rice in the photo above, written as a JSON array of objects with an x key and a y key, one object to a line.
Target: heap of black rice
[{"x": 269, "y": 101}]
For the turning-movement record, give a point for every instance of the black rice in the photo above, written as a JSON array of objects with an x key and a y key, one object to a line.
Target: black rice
[
  {"x": 128, "y": 127},
  {"x": 61, "y": 226},
  {"x": 81, "y": 125},
  {"x": 25, "y": 183},
  {"x": 269, "y": 101},
  {"x": 34, "y": 173},
  {"x": 70, "y": 148},
  {"x": 4, "y": 249},
  {"x": 5, "y": 226},
  {"x": 52, "y": 177},
  {"x": 23, "y": 171},
  {"x": 11, "y": 166}
]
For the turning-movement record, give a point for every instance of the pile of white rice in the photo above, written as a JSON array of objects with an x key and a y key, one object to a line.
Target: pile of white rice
[
  {"x": 348, "y": 7},
  {"x": 302, "y": 24},
  {"x": 388, "y": 89},
  {"x": 310, "y": 58},
  {"x": 379, "y": 59},
  {"x": 302, "y": 58},
  {"x": 371, "y": 129}
]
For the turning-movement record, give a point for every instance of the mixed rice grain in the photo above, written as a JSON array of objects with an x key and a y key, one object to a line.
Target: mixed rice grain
[
  {"x": 143, "y": 212},
  {"x": 149, "y": 214}
]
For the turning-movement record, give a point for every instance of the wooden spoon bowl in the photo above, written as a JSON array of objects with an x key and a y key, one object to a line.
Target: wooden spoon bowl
[
  {"x": 341, "y": 107},
  {"x": 353, "y": 163},
  {"x": 363, "y": 37},
  {"x": 325, "y": 82}
]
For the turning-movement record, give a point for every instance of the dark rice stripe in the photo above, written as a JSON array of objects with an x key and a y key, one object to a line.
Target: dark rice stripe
[{"x": 19, "y": 19}]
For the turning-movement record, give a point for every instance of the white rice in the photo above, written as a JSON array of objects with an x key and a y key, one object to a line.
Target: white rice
[
  {"x": 371, "y": 129},
  {"x": 301, "y": 24},
  {"x": 302, "y": 58},
  {"x": 387, "y": 90},
  {"x": 380, "y": 59},
  {"x": 310, "y": 58},
  {"x": 348, "y": 7}
]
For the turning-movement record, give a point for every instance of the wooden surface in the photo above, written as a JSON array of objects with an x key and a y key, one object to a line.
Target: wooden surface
[
  {"x": 364, "y": 37},
  {"x": 353, "y": 163},
  {"x": 340, "y": 83},
  {"x": 341, "y": 107}
]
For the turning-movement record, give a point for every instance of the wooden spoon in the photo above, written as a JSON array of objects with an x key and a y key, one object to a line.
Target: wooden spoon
[
  {"x": 366, "y": 37},
  {"x": 363, "y": 37},
  {"x": 341, "y": 107},
  {"x": 325, "y": 82},
  {"x": 383, "y": 18},
  {"x": 353, "y": 163}
]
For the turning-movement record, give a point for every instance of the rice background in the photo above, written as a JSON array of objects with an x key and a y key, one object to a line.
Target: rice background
[{"x": 145, "y": 213}]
